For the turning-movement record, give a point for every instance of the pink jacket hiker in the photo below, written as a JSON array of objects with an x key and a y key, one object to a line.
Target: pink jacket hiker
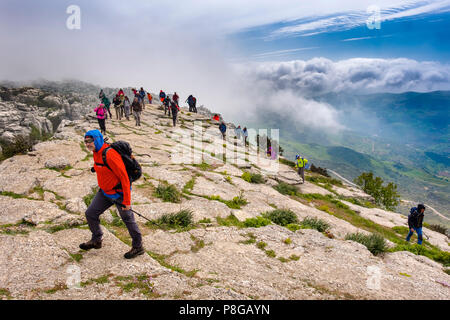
[{"x": 100, "y": 111}]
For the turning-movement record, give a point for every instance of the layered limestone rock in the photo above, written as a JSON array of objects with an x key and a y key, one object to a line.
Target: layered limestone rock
[{"x": 45, "y": 194}]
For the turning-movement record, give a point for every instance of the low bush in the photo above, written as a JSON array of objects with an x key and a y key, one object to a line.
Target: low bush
[
  {"x": 375, "y": 243},
  {"x": 282, "y": 217},
  {"x": 252, "y": 177},
  {"x": 293, "y": 227},
  {"x": 236, "y": 202},
  {"x": 230, "y": 221},
  {"x": 256, "y": 222},
  {"x": 178, "y": 220},
  {"x": 286, "y": 189},
  {"x": 314, "y": 223},
  {"x": 168, "y": 193}
]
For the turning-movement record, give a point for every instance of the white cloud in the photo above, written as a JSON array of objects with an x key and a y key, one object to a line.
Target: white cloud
[{"x": 319, "y": 76}]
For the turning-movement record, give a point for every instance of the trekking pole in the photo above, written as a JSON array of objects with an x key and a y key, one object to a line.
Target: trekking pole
[
  {"x": 151, "y": 221},
  {"x": 140, "y": 215}
]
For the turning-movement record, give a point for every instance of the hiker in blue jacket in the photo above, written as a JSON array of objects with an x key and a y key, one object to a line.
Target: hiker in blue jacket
[
  {"x": 415, "y": 220},
  {"x": 223, "y": 129},
  {"x": 142, "y": 97}
]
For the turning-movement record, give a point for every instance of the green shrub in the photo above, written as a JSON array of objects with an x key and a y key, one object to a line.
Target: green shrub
[
  {"x": 168, "y": 193},
  {"x": 256, "y": 222},
  {"x": 293, "y": 227},
  {"x": 375, "y": 243},
  {"x": 286, "y": 189},
  {"x": 287, "y": 241},
  {"x": 252, "y": 177},
  {"x": 319, "y": 170},
  {"x": 177, "y": 220},
  {"x": 294, "y": 257},
  {"x": 261, "y": 245},
  {"x": 383, "y": 195},
  {"x": 270, "y": 253},
  {"x": 314, "y": 223},
  {"x": 282, "y": 217},
  {"x": 236, "y": 202},
  {"x": 88, "y": 198},
  {"x": 229, "y": 221}
]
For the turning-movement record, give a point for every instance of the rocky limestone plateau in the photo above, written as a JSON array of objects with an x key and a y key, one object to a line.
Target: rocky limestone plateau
[
  {"x": 42, "y": 223},
  {"x": 23, "y": 108}
]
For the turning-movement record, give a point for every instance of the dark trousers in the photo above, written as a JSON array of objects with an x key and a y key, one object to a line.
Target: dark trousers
[
  {"x": 101, "y": 123},
  {"x": 174, "y": 117},
  {"x": 301, "y": 172},
  {"x": 100, "y": 204}
]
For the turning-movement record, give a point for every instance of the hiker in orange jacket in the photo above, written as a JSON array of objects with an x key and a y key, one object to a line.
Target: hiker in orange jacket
[{"x": 115, "y": 188}]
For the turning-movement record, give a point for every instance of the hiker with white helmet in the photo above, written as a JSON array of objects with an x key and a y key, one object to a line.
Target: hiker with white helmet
[{"x": 300, "y": 164}]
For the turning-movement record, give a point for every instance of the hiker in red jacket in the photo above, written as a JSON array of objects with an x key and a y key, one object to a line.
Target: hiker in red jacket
[
  {"x": 115, "y": 188},
  {"x": 175, "y": 98}
]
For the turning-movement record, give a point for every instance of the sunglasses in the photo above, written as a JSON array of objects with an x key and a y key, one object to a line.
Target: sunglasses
[{"x": 86, "y": 141}]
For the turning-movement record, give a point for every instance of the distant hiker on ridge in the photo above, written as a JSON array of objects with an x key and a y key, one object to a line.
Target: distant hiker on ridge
[
  {"x": 150, "y": 98},
  {"x": 190, "y": 101},
  {"x": 415, "y": 219},
  {"x": 126, "y": 106},
  {"x": 238, "y": 132},
  {"x": 194, "y": 104},
  {"x": 245, "y": 135},
  {"x": 175, "y": 109},
  {"x": 175, "y": 98},
  {"x": 107, "y": 104},
  {"x": 162, "y": 95},
  {"x": 301, "y": 163},
  {"x": 100, "y": 111},
  {"x": 117, "y": 103},
  {"x": 142, "y": 97},
  {"x": 137, "y": 109},
  {"x": 114, "y": 186},
  {"x": 223, "y": 129},
  {"x": 167, "y": 107}
]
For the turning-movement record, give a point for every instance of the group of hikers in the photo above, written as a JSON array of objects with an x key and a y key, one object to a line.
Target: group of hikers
[
  {"x": 124, "y": 107},
  {"x": 113, "y": 177}
]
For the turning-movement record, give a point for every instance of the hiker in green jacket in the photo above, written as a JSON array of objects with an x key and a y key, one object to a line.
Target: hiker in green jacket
[
  {"x": 301, "y": 163},
  {"x": 107, "y": 103}
]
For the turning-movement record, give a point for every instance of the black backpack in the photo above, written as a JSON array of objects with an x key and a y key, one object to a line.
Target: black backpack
[{"x": 132, "y": 166}]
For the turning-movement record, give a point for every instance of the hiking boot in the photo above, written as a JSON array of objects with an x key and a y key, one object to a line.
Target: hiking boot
[
  {"x": 91, "y": 244},
  {"x": 134, "y": 252}
]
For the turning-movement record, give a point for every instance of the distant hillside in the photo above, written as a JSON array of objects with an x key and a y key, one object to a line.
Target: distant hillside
[{"x": 402, "y": 138}]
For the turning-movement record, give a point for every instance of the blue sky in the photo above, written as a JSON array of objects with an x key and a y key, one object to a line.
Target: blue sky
[{"x": 420, "y": 37}]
